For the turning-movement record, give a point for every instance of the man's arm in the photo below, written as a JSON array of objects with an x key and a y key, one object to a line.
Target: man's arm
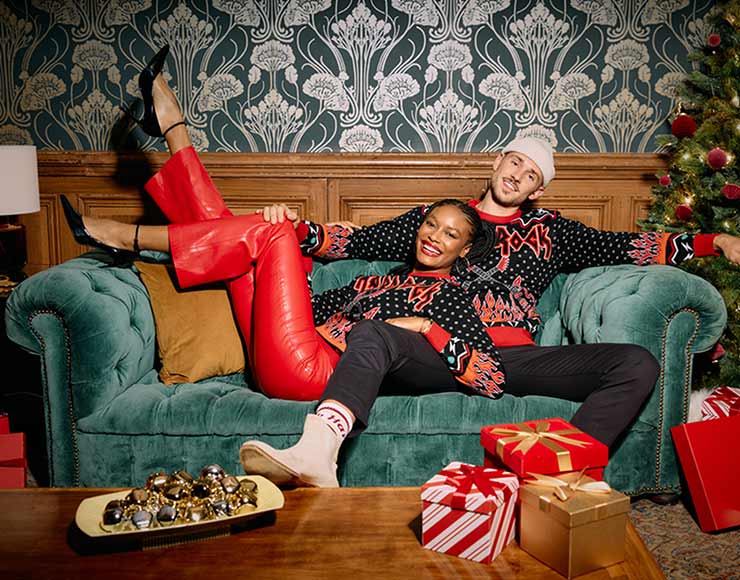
[
  {"x": 391, "y": 240},
  {"x": 579, "y": 246}
]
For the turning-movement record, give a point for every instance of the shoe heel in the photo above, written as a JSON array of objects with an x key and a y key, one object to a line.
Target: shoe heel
[
  {"x": 149, "y": 122},
  {"x": 129, "y": 113}
]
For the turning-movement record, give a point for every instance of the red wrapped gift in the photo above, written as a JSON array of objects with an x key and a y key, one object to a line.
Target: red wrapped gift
[
  {"x": 12, "y": 460},
  {"x": 723, "y": 402},
  {"x": 13, "y": 450},
  {"x": 12, "y": 477},
  {"x": 545, "y": 446},
  {"x": 4, "y": 424},
  {"x": 468, "y": 511},
  {"x": 711, "y": 474}
]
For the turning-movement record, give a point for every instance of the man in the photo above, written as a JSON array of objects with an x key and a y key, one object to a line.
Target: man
[{"x": 612, "y": 381}]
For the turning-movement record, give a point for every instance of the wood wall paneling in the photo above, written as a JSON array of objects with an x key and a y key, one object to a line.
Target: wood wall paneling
[{"x": 605, "y": 191}]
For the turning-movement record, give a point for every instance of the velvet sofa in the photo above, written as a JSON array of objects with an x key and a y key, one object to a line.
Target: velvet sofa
[{"x": 111, "y": 422}]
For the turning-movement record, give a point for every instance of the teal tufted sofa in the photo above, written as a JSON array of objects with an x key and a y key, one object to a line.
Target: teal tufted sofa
[{"x": 110, "y": 422}]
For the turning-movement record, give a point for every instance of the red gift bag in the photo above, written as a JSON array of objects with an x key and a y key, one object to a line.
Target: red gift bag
[{"x": 711, "y": 473}]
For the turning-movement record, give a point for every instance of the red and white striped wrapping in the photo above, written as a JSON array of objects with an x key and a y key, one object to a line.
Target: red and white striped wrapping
[
  {"x": 723, "y": 402},
  {"x": 468, "y": 511}
]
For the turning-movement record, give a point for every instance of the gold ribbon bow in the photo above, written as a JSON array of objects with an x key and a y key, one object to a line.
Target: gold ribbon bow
[
  {"x": 527, "y": 437},
  {"x": 559, "y": 486}
]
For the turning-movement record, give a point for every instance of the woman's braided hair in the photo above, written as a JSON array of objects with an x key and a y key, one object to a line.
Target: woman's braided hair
[{"x": 481, "y": 238}]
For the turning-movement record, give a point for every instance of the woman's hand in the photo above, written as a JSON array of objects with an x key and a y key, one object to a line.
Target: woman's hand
[{"x": 412, "y": 323}]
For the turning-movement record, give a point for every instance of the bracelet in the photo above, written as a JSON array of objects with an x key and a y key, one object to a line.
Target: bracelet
[{"x": 426, "y": 326}]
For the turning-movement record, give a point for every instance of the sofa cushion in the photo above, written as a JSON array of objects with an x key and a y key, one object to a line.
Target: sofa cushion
[
  {"x": 197, "y": 336},
  {"x": 151, "y": 427}
]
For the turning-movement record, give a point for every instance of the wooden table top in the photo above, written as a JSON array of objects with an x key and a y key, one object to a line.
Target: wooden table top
[{"x": 347, "y": 533}]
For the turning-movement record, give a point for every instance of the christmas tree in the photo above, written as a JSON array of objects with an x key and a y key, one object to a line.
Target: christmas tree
[{"x": 701, "y": 191}]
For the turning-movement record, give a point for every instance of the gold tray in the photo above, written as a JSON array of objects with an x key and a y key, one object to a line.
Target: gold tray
[{"x": 89, "y": 516}]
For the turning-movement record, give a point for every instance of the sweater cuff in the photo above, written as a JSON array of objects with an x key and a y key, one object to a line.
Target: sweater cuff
[
  {"x": 301, "y": 231},
  {"x": 704, "y": 245},
  {"x": 437, "y": 336}
]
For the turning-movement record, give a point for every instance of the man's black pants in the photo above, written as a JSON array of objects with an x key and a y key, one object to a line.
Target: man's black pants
[{"x": 612, "y": 381}]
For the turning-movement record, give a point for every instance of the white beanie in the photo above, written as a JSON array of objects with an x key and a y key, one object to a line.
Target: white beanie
[{"x": 538, "y": 151}]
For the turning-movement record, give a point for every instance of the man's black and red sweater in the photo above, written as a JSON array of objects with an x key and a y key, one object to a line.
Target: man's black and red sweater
[
  {"x": 531, "y": 249},
  {"x": 456, "y": 333}
]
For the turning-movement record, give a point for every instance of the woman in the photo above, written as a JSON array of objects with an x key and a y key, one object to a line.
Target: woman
[{"x": 289, "y": 355}]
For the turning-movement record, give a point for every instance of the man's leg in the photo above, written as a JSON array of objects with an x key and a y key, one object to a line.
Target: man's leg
[{"x": 611, "y": 380}]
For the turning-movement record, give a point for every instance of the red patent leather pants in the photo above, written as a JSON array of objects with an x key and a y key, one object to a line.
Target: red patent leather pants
[{"x": 263, "y": 269}]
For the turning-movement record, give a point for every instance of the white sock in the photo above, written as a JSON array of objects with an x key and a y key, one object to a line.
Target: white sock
[{"x": 337, "y": 418}]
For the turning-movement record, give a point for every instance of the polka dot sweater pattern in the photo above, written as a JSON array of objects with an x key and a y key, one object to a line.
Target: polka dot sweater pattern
[
  {"x": 457, "y": 334},
  {"x": 530, "y": 250}
]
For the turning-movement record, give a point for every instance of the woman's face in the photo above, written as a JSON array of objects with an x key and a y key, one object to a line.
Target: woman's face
[{"x": 444, "y": 236}]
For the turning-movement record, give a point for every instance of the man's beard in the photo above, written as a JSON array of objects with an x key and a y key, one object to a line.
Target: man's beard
[{"x": 512, "y": 202}]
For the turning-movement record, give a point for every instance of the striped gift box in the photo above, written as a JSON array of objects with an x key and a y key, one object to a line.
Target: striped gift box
[
  {"x": 723, "y": 402},
  {"x": 468, "y": 511}
]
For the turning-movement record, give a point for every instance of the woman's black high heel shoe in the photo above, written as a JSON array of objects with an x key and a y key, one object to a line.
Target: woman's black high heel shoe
[
  {"x": 149, "y": 122},
  {"x": 82, "y": 236}
]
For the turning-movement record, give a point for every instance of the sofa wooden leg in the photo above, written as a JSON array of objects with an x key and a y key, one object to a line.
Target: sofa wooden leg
[{"x": 665, "y": 498}]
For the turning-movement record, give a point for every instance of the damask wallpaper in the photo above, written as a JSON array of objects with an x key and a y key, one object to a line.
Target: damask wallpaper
[{"x": 354, "y": 75}]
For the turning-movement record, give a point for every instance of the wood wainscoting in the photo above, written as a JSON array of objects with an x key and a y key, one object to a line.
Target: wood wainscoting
[{"x": 608, "y": 191}]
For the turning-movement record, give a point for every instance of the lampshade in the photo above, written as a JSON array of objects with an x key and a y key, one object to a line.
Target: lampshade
[{"x": 19, "y": 185}]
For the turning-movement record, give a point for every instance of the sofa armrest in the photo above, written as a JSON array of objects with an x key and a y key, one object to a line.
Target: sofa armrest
[
  {"x": 634, "y": 304},
  {"x": 671, "y": 313},
  {"x": 93, "y": 328}
]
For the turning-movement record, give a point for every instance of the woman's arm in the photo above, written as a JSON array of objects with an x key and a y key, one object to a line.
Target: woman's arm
[{"x": 456, "y": 332}]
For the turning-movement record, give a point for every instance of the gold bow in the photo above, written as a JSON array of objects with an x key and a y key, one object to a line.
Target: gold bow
[
  {"x": 528, "y": 438},
  {"x": 559, "y": 486}
]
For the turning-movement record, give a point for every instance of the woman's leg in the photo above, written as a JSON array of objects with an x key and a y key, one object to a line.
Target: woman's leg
[
  {"x": 288, "y": 358},
  {"x": 182, "y": 189},
  {"x": 376, "y": 352}
]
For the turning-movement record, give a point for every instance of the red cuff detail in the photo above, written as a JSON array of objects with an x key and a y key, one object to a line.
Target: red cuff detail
[
  {"x": 438, "y": 337},
  {"x": 704, "y": 245},
  {"x": 301, "y": 232},
  {"x": 509, "y": 336},
  {"x": 307, "y": 263}
]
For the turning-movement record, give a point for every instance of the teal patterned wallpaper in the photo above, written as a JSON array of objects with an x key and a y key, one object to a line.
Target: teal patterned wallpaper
[{"x": 355, "y": 75}]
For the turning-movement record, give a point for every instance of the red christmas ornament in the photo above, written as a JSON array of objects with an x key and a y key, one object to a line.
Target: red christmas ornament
[
  {"x": 717, "y": 159},
  {"x": 665, "y": 180},
  {"x": 731, "y": 191},
  {"x": 714, "y": 40},
  {"x": 717, "y": 353},
  {"x": 683, "y": 212},
  {"x": 683, "y": 126}
]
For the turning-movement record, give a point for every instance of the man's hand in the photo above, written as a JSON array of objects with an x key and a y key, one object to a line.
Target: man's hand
[
  {"x": 412, "y": 323},
  {"x": 277, "y": 213},
  {"x": 730, "y": 247}
]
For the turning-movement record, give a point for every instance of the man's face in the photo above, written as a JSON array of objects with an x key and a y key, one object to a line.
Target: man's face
[{"x": 515, "y": 179}]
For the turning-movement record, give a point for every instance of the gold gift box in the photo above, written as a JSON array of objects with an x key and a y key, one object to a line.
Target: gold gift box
[{"x": 584, "y": 532}]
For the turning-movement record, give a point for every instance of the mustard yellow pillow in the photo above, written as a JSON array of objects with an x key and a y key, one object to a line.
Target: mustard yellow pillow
[{"x": 197, "y": 335}]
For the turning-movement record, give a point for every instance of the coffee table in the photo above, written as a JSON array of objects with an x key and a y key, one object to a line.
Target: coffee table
[{"x": 348, "y": 534}]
